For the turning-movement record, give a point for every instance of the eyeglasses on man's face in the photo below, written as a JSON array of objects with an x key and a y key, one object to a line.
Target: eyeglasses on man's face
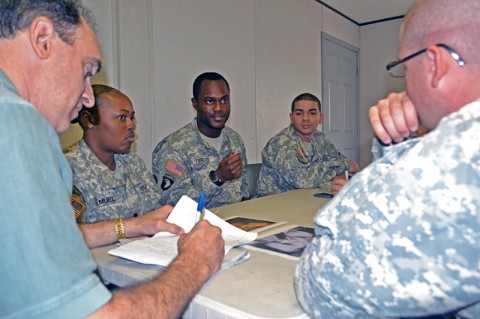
[{"x": 397, "y": 69}]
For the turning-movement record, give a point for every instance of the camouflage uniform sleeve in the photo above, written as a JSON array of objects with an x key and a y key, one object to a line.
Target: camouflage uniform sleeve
[
  {"x": 78, "y": 205},
  {"x": 329, "y": 162},
  {"x": 243, "y": 155},
  {"x": 80, "y": 197},
  {"x": 86, "y": 210},
  {"x": 286, "y": 167},
  {"x": 232, "y": 191},
  {"x": 171, "y": 172},
  {"x": 270, "y": 180},
  {"x": 176, "y": 178}
]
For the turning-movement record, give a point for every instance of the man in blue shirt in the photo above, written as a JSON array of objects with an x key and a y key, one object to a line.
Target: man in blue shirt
[{"x": 48, "y": 55}]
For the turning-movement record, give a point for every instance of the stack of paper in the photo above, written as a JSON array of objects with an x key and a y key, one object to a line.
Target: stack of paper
[{"x": 162, "y": 248}]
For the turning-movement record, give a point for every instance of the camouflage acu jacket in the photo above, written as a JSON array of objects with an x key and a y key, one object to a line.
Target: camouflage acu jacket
[
  {"x": 402, "y": 238},
  {"x": 105, "y": 196},
  {"x": 287, "y": 166},
  {"x": 182, "y": 162}
]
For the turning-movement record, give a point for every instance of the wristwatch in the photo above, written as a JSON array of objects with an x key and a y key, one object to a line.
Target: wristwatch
[{"x": 215, "y": 179}]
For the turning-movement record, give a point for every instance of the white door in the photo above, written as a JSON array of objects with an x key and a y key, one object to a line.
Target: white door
[{"x": 340, "y": 95}]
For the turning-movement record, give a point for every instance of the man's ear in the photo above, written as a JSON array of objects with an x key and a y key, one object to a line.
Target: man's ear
[
  {"x": 194, "y": 104},
  {"x": 41, "y": 34},
  {"x": 320, "y": 119},
  {"x": 438, "y": 64},
  {"x": 291, "y": 118}
]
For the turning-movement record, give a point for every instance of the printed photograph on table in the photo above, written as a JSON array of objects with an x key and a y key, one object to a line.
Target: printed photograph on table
[
  {"x": 249, "y": 224},
  {"x": 291, "y": 242}
]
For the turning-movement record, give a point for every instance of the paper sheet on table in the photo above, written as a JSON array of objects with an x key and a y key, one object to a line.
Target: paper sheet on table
[
  {"x": 162, "y": 248},
  {"x": 185, "y": 215},
  {"x": 156, "y": 251}
]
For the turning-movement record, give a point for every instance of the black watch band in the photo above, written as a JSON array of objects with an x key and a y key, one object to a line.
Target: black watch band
[{"x": 215, "y": 179}]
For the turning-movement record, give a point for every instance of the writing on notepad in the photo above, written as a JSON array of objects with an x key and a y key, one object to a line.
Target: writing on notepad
[{"x": 161, "y": 249}]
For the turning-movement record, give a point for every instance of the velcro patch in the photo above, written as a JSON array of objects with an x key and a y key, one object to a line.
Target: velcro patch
[
  {"x": 77, "y": 205},
  {"x": 167, "y": 182},
  {"x": 174, "y": 168}
]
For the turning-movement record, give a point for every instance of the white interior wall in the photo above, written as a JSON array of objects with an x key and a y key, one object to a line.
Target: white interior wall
[
  {"x": 341, "y": 28},
  {"x": 269, "y": 51},
  {"x": 134, "y": 60},
  {"x": 192, "y": 37},
  {"x": 104, "y": 13},
  {"x": 287, "y": 60}
]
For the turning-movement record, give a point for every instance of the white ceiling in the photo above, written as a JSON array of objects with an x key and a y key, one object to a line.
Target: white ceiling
[{"x": 367, "y": 11}]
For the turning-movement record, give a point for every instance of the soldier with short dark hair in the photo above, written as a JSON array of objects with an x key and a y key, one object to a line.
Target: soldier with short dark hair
[
  {"x": 204, "y": 156},
  {"x": 300, "y": 156}
]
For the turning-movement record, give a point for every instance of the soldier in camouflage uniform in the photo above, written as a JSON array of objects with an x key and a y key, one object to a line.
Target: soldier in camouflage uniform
[
  {"x": 402, "y": 238},
  {"x": 109, "y": 181},
  {"x": 205, "y": 155},
  {"x": 300, "y": 156},
  {"x": 107, "y": 195}
]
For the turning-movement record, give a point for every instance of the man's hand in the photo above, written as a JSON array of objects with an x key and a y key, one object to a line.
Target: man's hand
[
  {"x": 353, "y": 166},
  {"x": 337, "y": 183},
  {"x": 394, "y": 118},
  {"x": 340, "y": 180},
  {"x": 151, "y": 223},
  {"x": 200, "y": 255},
  {"x": 205, "y": 246},
  {"x": 230, "y": 168}
]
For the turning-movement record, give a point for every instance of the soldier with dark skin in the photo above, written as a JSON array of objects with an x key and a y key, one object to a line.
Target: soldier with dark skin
[
  {"x": 204, "y": 156},
  {"x": 113, "y": 184}
]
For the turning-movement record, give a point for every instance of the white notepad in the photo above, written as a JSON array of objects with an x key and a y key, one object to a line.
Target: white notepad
[{"x": 161, "y": 249}]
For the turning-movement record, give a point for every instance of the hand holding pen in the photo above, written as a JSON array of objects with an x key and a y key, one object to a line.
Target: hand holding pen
[
  {"x": 203, "y": 247},
  {"x": 339, "y": 181}
]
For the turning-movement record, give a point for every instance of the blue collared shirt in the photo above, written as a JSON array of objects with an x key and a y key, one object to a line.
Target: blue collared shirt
[{"x": 46, "y": 269}]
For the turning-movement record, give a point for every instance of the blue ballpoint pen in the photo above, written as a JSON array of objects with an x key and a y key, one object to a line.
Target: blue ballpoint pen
[{"x": 200, "y": 207}]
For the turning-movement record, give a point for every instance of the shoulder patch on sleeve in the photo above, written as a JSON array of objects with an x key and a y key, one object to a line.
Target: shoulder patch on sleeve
[
  {"x": 174, "y": 168},
  {"x": 76, "y": 200},
  {"x": 167, "y": 182}
]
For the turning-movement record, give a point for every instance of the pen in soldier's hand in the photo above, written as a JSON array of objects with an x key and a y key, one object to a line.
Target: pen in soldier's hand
[
  {"x": 201, "y": 207},
  {"x": 346, "y": 175}
]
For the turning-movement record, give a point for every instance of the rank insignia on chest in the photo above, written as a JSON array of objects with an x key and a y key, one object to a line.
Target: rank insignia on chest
[
  {"x": 174, "y": 168},
  {"x": 301, "y": 155},
  {"x": 141, "y": 188}
]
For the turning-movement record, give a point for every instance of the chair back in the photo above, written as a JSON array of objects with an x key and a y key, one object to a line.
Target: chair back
[{"x": 253, "y": 170}]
